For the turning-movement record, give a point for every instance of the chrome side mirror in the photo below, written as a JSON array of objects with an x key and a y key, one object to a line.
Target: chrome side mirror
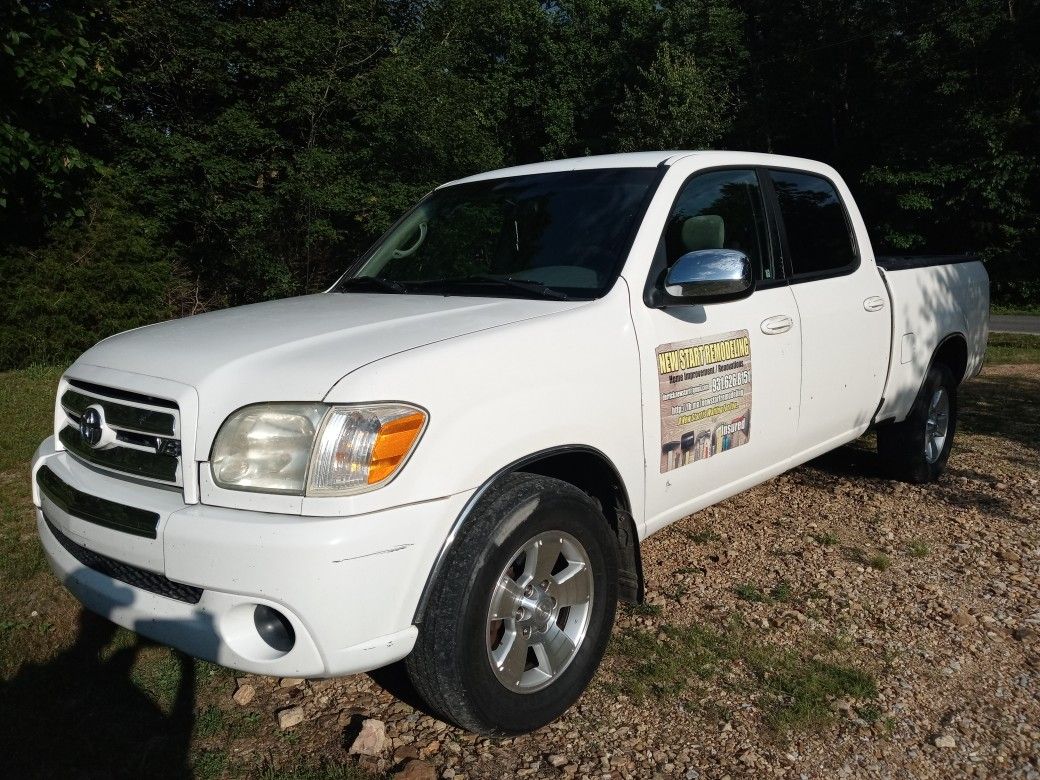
[{"x": 710, "y": 275}]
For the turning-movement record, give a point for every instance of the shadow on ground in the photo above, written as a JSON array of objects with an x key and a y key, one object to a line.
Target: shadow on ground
[
  {"x": 80, "y": 715},
  {"x": 997, "y": 404}
]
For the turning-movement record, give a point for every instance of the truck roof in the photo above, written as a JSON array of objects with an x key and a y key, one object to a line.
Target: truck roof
[{"x": 649, "y": 160}]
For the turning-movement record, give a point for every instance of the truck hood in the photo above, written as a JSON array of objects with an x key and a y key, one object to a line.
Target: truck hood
[{"x": 296, "y": 349}]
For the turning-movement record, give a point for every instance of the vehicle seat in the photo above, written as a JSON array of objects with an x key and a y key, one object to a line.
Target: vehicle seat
[{"x": 706, "y": 231}]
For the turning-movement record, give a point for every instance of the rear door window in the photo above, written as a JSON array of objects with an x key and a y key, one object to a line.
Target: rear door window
[{"x": 819, "y": 237}]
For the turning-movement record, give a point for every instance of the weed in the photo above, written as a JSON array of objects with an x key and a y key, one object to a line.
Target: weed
[
  {"x": 749, "y": 592},
  {"x": 702, "y": 536},
  {"x": 210, "y": 722},
  {"x": 918, "y": 549},
  {"x": 323, "y": 771},
  {"x": 869, "y": 713},
  {"x": 881, "y": 562},
  {"x": 209, "y": 764},
  {"x": 878, "y": 561},
  {"x": 158, "y": 672},
  {"x": 780, "y": 592},
  {"x": 691, "y": 570},
  {"x": 826, "y": 538}
]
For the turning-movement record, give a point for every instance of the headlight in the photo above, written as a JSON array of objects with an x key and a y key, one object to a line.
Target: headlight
[
  {"x": 314, "y": 449},
  {"x": 266, "y": 447}
]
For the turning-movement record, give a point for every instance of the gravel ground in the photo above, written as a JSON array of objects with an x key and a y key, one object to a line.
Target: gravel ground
[
  {"x": 928, "y": 596},
  {"x": 829, "y": 623}
]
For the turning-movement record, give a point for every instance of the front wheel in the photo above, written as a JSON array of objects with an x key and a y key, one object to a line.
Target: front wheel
[
  {"x": 520, "y": 614},
  {"x": 916, "y": 449}
]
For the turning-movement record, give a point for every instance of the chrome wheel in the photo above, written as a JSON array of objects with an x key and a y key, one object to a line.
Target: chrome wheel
[
  {"x": 539, "y": 612},
  {"x": 937, "y": 425}
]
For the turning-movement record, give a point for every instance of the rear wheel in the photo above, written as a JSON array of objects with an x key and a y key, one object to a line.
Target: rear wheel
[
  {"x": 520, "y": 614},
  {"x": 916, "y": 450}
]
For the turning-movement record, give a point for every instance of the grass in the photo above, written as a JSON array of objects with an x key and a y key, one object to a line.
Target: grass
[
  {"x": 918, "y": 549},
  {"x": 701, "y": 536},
  {"x": 86, "y": 698},
  {"x": 878, "y": 561},
  {"x": 779, "y": 593},
  {"x": 1012, "y": 348},
  {"x": 794, "y": 688},
  {"x": 997, "y": 308},
  {"x": 306, "y": 770}
]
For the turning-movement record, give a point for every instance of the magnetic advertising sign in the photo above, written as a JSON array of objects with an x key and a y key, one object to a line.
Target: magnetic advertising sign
[{"x": 705, "y": 389}]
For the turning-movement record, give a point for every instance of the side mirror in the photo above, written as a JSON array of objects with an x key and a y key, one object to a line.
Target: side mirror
[{"x": 710, "y": 275}]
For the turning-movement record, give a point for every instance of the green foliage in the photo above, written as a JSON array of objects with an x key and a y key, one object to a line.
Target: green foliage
[
  {"x": 56, "y": 75},
  {"x": 230, "y": 153},
  {"x": 107, "y": 275},
  {"x": 794, "y": 686},
  {"x": 1006, "y": 348}
]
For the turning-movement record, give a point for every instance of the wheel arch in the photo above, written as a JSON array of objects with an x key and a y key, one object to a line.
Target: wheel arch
[
  {"x": 592, "y": 472},
  {"x": 952, "y": 351}
]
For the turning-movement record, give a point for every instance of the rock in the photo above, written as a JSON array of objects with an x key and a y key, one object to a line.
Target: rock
[
  {"x": 945, "y": 741},
  {"x": 416, "y": 770},
  {"x": 405, "y": 753},
  {"x": 371, "y": 741},
  {"x": 431, "y": 749},
  {"x": 244, "y": 694},
  {"x": 748, "y": 758},
  {"x": 557, "y": 760},
  {"x": 290, "y": 682},
  {"x": 961, "y": 618},
  {"x": 289, "y": 717}
]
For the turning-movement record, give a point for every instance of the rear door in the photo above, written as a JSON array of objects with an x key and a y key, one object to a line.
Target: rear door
[
  {"x": 720, "y": 380},
  {"x": 842, "y": 307}
]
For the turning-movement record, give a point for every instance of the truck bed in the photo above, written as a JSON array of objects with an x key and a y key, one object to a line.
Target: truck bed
[{"x": 934, "y": 297}]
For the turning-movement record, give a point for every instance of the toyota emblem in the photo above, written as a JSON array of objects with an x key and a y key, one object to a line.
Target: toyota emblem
[{"x": 91, "y": 426}]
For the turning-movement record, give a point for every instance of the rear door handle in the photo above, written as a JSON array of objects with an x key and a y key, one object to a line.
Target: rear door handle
[
  {"x": 874, "y": 303},
  {"x": 774, "y": 326}
]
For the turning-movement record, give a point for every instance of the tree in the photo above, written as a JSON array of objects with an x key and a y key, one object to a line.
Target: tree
[{"x": 56, "y": 75}]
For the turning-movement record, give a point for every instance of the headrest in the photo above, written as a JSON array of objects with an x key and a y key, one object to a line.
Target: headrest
[{"x": 708, "y": 231}]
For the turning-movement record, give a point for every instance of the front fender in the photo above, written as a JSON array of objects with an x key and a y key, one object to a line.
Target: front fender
[{"x": 497, "y": 395}]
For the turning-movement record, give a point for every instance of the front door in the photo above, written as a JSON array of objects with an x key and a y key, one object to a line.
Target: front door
[{"x": 721, "y": 380}]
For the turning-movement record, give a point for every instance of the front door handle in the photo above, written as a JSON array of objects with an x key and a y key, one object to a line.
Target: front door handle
[
  {"x": 774, "y": 326},
  {"x": 874, "y": 303}
]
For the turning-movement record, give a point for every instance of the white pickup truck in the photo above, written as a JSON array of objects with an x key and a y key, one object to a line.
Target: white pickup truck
[{"x": 452, "y": 455}]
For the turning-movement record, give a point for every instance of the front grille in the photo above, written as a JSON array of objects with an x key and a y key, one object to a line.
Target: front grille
[
  {"x": 146, "y": 431},
  {"x": 124, "y": 395},
  {"x": 100, "y": 511},
  {"x": 125, "y": 572}
]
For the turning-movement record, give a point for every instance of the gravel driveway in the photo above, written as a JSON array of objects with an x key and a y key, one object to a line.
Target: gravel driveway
[{"x": 829, "y": 623}]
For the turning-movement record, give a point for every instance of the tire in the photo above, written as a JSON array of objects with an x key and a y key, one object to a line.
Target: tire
[
  {"x": 912, "y": 450},
  {"x": 451, "y": 665}
]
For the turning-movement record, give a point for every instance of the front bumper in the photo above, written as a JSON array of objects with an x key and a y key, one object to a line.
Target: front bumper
[{"x": 348, "y": 586}]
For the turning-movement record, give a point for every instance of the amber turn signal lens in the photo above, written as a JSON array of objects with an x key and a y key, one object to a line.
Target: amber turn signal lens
[{"x": 393, "y": 442}]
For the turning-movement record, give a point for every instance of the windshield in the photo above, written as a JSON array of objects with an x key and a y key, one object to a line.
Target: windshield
[{"x": 554, "y": 235}]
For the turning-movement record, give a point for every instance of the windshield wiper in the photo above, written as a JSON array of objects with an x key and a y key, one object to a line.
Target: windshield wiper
[
  {"x": 526, "y": 285},
  {"x": 374, "y": 281}
]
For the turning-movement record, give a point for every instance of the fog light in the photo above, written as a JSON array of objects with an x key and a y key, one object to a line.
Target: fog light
[{"x": 274, "y": 628}]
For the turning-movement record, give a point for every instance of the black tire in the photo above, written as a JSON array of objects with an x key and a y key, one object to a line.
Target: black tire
[
  {"x": 901, "y": 446},
  {"x": 450, "y": 665}
]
